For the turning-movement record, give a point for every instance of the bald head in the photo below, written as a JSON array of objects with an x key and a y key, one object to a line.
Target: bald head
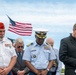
[{"x": 50, "y": 41}]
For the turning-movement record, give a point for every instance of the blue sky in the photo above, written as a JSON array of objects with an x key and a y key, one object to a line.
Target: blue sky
[
  {"x": 35, "y": 1},
  {"x": 58, "y": 16}
]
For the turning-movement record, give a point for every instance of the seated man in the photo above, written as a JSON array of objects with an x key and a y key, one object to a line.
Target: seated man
[
  {"x": 57, "y": 66},
  {"x": 7, "y": 53},
  {"x": 38, "y": 55},
  {"x": 20, "y": 67}
]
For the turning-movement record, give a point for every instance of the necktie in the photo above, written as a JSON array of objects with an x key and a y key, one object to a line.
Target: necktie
[{"x": 20, "y": 56}]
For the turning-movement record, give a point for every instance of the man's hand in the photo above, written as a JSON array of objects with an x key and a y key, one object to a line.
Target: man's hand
[
  {"x": 55, "y": 64},
  {"x": 38, "y": 72},
  {"x": 21, "y": 72},
  {"x": 43, "y": 72},
  {"x": 6, "y": 70},
  {"x": 2, "y": 71}
]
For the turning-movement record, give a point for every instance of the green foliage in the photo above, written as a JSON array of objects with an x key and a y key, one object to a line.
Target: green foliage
[{"x": 62, "y": 71}]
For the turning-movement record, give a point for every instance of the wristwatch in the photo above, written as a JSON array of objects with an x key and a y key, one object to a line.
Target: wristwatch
[{"x": 47, "y": 69}]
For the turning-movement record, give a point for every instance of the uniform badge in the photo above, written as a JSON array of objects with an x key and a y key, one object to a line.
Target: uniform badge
[
  {"x": 8, "y": 45},
  {"x": 33, "y": 49},
  {"x": 34, "y": 56},
  {"x": 47, "y": 47}
]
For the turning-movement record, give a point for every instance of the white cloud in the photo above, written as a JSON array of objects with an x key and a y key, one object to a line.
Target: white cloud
[
  {"x": 47, "y": 13},
  {"x": 40, "y": 15}
]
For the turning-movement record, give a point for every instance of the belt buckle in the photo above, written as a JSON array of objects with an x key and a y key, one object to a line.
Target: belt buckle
[{"x": 41, "y": 70}]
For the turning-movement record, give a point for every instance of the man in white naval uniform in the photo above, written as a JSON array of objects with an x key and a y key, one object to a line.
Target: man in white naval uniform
[
  {"x": 57, "y": 67},
  {"x": 38, "y": 55}
]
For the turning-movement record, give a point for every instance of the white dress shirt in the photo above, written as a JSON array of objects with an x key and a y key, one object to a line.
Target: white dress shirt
[{"x": 6, "y": 52}]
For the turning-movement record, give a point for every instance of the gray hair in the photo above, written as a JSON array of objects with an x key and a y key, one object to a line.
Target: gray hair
[
  {"x": 74, "y": 27},
  {"x": 19, "y": 40}
]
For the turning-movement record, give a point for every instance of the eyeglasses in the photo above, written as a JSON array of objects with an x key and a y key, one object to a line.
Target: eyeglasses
[{"x": 20, "y": 47}]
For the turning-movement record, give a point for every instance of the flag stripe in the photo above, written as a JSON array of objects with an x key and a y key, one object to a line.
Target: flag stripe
[
  {"x": 19, "y": 31},
  {"x": 24, "y": 29},
  {"x": 23, "y": 23},
  {"x": 22, "y": 34}
]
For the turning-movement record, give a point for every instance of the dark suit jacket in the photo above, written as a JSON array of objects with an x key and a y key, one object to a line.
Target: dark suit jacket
[
  {"x": 67, "y": 54},
  {"x": 19, "y": 65}
]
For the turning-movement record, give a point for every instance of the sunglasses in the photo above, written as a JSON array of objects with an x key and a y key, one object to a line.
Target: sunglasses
[{"x": 20, "y": 47}]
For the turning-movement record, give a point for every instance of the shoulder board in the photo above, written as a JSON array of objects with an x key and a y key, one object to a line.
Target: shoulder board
[
  {"x": 47, "y": 47},
  {"x": 29, "y": 44},
  {"x": 47, "y": 43}
]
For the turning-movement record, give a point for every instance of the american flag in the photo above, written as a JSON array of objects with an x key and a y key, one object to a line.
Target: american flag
[{"x": 23, "y": 29}]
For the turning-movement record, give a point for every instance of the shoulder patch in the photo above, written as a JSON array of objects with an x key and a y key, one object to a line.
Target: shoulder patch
[{"x": 29, "y": 44}]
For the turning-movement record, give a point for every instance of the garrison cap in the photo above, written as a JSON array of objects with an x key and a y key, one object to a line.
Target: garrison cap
[
  {"x": 41, "y": 33},
  {"x": 2, "y": 25}
]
